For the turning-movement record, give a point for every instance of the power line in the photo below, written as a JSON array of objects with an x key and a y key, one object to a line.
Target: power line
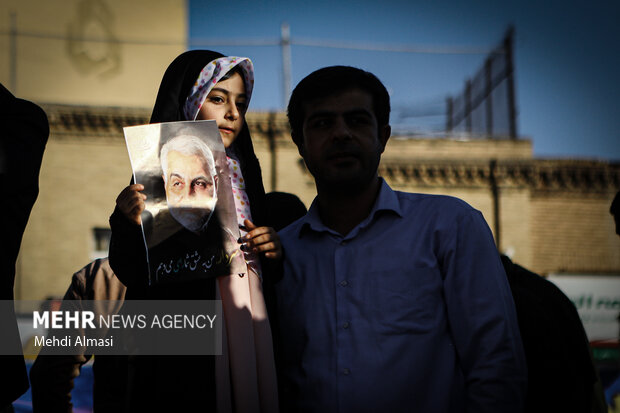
[
  {"x": 243, "y": 42},
  {"x": 246, "y": 42},
  {"x": 383, "y": 47},
  {"x": 50, "y": 36}
]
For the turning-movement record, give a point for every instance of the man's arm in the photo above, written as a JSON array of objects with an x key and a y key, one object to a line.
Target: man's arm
[
  {"x": 482, "y": 318},
  {"x": 52, "y": 376},
  {"x": 52, "y": 381}
]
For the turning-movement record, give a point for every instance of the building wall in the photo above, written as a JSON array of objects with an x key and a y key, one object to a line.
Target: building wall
[
  {"x": 90, "y": 52},
  {"x": 516, "y": 231},
  {"x": 574, "y": 233},
  {"x": 79, "y": 181},
  {"x": 404, "y": 148}
]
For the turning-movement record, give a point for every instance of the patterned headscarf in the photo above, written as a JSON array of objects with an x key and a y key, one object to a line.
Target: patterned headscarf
[{"x": 212, "y": 73}]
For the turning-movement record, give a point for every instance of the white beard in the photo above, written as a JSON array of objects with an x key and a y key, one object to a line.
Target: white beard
[{"x": 194, "y": 219}]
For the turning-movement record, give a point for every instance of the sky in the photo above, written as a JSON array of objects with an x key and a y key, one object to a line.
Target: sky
[{"x": 567, "y": 57}]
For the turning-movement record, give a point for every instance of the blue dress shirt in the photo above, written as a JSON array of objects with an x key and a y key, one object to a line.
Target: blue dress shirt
[{"x": 409, "y": 312}]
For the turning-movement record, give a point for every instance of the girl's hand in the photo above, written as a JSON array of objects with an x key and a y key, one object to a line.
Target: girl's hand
[
  {"x": 131, "y": 202},
  {"x": 263, "y": 240}
]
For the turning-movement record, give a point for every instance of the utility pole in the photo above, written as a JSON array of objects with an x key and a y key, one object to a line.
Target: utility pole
[
  {"x": 512, "y": 107},
  {"x": 495, "y": 195},
  {"x": 488, "y": 93},
  {"x": 468, "y": 107},
  {"x": 271, "y": 135},
  {"x": 285, "y": 43},
  {"x": 450, "y": 114}
]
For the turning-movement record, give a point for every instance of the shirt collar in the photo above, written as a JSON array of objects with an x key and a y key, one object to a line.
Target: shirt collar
[{"x": 386, "y": 201}]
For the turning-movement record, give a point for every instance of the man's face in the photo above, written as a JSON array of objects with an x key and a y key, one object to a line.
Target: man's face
[
  {"x": 342, "y": 143},
  {"x": 190, "y": 190}
]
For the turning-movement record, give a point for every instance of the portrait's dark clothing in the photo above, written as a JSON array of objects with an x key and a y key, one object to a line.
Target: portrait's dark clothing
[
  {"x": 561, "y": 373},
  {"x": 178, "y": 263},
  {"x": 24, "y": 135},
  {"x": 186, "y": 256},
  {"x": 52, "y": 376}
]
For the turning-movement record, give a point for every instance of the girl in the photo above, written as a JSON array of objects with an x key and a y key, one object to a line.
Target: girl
[{"x": 202, "y": 85}]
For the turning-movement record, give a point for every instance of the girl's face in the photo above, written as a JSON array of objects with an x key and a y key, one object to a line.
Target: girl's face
[{"x": 226, "y": 103}]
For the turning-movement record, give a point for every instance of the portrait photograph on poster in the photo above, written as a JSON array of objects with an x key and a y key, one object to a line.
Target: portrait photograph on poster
[{"x": 189, "y": 222}]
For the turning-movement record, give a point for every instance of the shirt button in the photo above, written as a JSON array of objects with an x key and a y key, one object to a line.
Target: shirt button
[
  {"x": 343, "y": 243},
  {"x": 346, "y": 372},
  {"x": 345, "y": 325},
  {"x": 344, "y": 283}
]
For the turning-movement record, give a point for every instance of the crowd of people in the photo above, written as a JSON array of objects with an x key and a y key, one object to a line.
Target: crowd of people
[{"x": 372, "y": 300}]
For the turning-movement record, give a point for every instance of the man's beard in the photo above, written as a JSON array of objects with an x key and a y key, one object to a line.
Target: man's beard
[
  {"x": 350, "y": 182},
  {"x": 194, "y": 219}
]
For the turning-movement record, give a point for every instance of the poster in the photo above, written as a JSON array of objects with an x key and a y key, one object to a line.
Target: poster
[
  {"x": 597, "y": 299},
  {"x": 189, "y": 224}
]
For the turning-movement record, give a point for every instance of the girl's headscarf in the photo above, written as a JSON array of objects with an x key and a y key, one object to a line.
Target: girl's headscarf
[
  {"x": 208, "y": 78},
  {"x": 187, "y": 81}
]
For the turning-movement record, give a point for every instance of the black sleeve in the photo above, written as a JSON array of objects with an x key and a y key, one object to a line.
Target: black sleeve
[
  {"x": 52, "y": 376},
  {"x": 25, "y": 131},
  {"x": 128, "y": 253}
]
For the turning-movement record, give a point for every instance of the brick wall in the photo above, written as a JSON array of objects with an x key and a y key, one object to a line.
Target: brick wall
[
  {"x": 79, "y": 182},
  {"x": 574, "y": 232}
]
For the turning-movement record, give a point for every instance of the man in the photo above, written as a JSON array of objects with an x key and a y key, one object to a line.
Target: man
[
  {"x": 614, "y": 210},
  {"x": 190, "y": 181},
  {"x": 612, "y": 393},
  {"x": 560, "y": 378},
  {"x": 390, "y": 301}
]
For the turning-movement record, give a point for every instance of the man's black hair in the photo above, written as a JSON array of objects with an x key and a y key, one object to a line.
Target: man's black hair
[{"x": 329, "y": 81}]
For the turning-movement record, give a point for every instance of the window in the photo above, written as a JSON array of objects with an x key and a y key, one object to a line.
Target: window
[{"x": 101, "y": 242}]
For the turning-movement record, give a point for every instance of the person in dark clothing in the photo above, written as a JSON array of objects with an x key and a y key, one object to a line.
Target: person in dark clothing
[
  {"x": 283, "y": 209},
  {"x": 52, "y": 376},
  {"x": 561, "y": 373},
  {"x": 614, "y": 210},
  {"x": 612, "y": 392},
  {"x": 206, "y": 85},
  {"x": 21, "y": 151}
]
